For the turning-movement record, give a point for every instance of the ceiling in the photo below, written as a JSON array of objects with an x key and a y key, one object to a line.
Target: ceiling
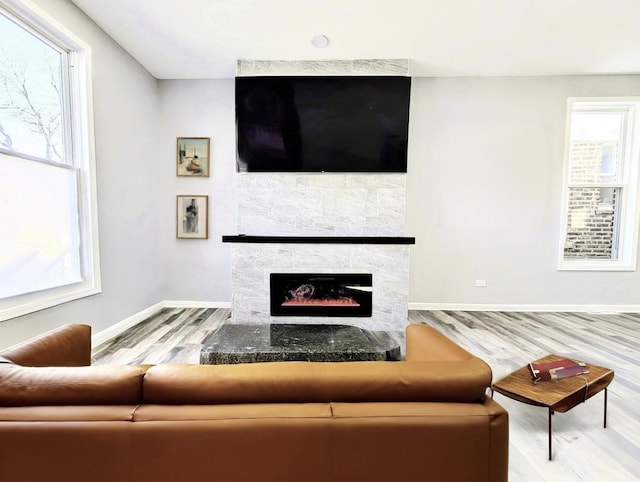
[{"x": 197, "y": 39}]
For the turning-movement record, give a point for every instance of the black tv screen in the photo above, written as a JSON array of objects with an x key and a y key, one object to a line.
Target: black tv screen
[{"x": 322, "y": 124}]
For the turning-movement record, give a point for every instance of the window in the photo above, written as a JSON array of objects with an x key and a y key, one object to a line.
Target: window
[
  {"x": 600, "y": 199},
  {"x": 48, "y": 247}
]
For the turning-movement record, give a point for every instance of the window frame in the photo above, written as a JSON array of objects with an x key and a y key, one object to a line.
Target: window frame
[
  {"x": 77, "y": 80},
  {"x": 627, "y": 221}
]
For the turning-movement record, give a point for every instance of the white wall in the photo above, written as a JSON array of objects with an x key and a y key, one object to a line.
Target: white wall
[
  {"x": 484, "y": 188},
  {"x": 130, "y": 181},
  {"x": 197, "y": 269}
]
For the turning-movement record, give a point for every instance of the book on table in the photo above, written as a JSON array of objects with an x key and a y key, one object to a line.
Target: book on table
[{"x": 556, "y": 370}]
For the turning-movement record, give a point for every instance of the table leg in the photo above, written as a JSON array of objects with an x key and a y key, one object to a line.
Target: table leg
[
  {"x": 605, "y": 408},
  {"x": 550, "y": 415}
]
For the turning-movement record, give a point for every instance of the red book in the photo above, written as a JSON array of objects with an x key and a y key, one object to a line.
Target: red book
[{"x": 556, "y": 370}]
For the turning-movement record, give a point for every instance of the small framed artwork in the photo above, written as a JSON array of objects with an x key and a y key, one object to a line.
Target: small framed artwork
[
  {"x": 192, "y": 156},
  {"x": 192, "y": 217}
]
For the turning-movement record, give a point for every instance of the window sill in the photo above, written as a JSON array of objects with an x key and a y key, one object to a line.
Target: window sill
[
  {"x": 593, "y": 265},
  {"x": 32, "y": 302}
]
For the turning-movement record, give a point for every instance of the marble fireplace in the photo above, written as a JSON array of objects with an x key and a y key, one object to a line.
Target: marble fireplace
[
  {"x": 383, "y": 259},
  {"x": 341, "y": 224}
]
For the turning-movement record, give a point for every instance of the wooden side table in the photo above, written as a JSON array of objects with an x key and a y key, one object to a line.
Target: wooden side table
[{"x": 558, "y": 396}]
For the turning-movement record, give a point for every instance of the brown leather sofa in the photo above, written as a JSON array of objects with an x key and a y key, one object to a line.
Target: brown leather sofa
[{"x": 423, "y": 419}]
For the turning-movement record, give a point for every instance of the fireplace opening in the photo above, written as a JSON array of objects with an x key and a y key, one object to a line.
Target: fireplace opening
[{"x": 320, "y": 294}]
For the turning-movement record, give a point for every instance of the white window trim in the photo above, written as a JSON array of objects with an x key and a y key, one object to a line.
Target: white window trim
[
  {"x": 83, "y": 148},
  {"x": 631, "y": 198}
]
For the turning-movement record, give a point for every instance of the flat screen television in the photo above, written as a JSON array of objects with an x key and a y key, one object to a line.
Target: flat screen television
[{"x": 322, "y": 124}]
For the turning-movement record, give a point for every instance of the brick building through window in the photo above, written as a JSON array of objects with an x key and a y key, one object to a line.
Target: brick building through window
[{"x": 600, "y": 208}]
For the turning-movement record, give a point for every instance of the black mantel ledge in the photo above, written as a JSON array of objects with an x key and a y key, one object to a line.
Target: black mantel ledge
[{"x": 245, "y": 238}]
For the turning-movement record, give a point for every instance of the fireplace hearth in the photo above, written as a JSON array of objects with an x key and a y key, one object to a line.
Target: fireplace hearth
[{"x": 321, "y": 294}]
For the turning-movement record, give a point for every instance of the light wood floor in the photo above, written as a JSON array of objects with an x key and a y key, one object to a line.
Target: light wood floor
[{"x": 583, "y": 449}]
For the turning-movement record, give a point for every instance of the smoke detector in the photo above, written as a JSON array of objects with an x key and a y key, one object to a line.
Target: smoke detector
[{"x": 320, "y": 41}]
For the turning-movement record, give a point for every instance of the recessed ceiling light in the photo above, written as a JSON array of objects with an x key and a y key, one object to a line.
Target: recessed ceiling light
[{"x": 320, "y": 41}]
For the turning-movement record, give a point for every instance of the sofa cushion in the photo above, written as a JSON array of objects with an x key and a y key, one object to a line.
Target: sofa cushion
[
  {"x": 299, "y": 382},
  {"x": 236, "y": 411},
  {"x": 98, "y": 385},
  {"x": 69, "y": 413}
]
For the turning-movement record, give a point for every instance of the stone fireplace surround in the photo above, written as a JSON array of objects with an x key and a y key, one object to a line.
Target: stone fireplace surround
[
  {"x": 321, "y": 222},
  {"x": 254, "y": 258}
]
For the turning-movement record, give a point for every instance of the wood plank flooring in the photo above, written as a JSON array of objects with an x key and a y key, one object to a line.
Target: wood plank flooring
[
  {"x": 582, "y": 449},
  {"x": 173, "y": 335}
]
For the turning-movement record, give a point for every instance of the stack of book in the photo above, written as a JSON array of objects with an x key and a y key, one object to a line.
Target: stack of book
[{"x": 556, "y": 370}]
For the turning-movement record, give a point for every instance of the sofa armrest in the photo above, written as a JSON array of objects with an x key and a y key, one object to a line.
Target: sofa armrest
[
  {"x": 425, "y": 343},
  {"x": 69, "y": 345}
]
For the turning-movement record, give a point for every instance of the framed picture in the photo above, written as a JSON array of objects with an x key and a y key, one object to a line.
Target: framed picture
[
  {"x": 192, "y": 214},
  {"x": 192, "y": 156}
]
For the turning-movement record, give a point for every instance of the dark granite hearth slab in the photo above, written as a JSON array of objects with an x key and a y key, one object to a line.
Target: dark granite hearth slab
[{"x": 296, "y": 342}]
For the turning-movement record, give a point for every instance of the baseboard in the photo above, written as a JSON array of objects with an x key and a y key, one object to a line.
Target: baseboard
[
  {"x": 140, "y": 316},
  {"x": 526, "y": 308},
  {"x": 125, "y": 324},
  {"x": 196, "y": 304}
]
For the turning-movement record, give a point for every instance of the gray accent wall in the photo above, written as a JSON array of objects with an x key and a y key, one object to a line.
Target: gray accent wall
[
  {"x": 483, "y": 193},
  {"x": 484, "y": 190}
]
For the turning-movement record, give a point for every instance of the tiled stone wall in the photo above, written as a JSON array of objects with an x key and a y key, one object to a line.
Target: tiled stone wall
[
  {"x": 389, "y": 265},
  {"x": 329, "y": 204},
  {"x": 246, "y": 68}
]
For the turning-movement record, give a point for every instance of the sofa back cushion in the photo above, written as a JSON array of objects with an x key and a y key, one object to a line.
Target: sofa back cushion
[
  {"x": 98, "y": 385},
  {"x": 299, "y": 382}
]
